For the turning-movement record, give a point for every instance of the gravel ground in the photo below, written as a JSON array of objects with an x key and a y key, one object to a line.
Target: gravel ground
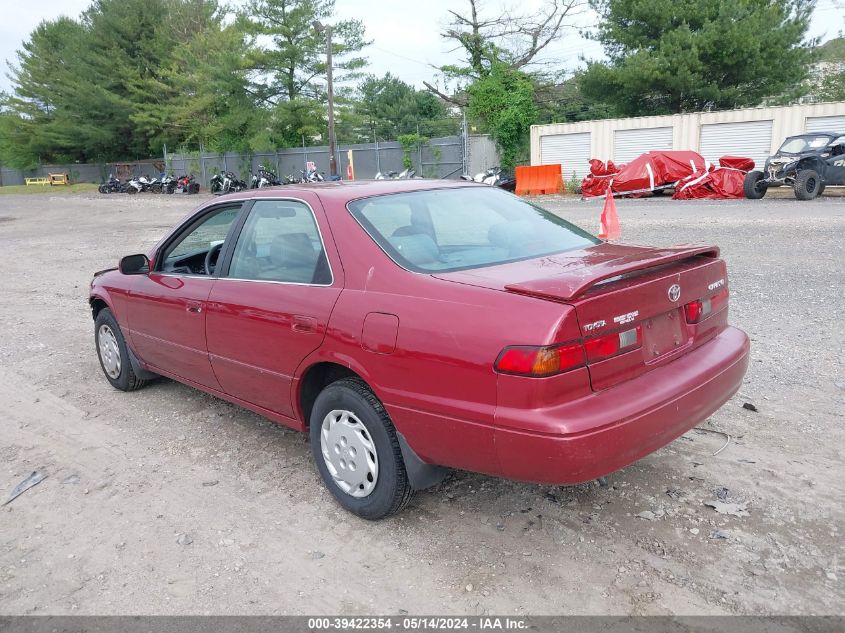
[{"x": 169, "y": 501}]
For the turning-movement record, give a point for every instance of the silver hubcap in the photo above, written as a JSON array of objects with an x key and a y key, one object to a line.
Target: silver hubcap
[
  {"x": 349, "y": 453},
  {"x": 109, "y": 352}
]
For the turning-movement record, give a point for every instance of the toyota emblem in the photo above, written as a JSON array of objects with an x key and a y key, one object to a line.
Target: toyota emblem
[{"x": 674, "y": 293}]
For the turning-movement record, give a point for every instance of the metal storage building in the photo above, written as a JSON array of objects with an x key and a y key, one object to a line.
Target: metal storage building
[{"x": 752, "y": 132}]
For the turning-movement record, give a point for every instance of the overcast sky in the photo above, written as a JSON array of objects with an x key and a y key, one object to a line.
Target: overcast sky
[{"x": 406, "y": 35}]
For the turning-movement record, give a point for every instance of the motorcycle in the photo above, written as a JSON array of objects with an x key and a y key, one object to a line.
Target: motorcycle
[
  {"x": 493, "y": 177},
  {"x": 226, "y": 182},
  {"x": 311, "y": 175},
  {"x": 187, "y": 184},
  {"x": 136, "y": 185},
  {"x": 112, "y": 186},
  {"x": 264, "y": 178},
  {"x": 142, "y": 184},
  {"x": 168, "y": 183},
  {"x": 406, "y": 174}
]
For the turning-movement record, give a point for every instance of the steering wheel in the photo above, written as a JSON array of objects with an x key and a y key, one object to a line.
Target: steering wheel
[{"x": 210, "y": 256}]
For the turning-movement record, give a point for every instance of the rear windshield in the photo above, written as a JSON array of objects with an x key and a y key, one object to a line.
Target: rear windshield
[
  {"x": 799, "y": 144},
  {"x": 444, "y": 230}
]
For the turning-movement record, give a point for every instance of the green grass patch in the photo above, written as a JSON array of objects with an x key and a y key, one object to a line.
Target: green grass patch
[{"x": 80, "y": 187}]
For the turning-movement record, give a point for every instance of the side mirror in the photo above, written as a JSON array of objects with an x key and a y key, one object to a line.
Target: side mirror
[{"x": 134, "y": 265}]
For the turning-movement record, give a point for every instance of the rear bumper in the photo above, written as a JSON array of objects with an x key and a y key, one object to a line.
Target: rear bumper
[{"x": 608, "y": 430}]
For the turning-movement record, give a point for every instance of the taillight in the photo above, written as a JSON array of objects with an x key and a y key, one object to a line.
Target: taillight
[
  {"x": 696, "y": 311},
  {"x": 527, "y": 360},
  {"x": 612, "y": 344}
]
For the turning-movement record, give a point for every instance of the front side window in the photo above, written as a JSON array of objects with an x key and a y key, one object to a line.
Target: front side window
[
  {"x": 196, "y": 251},
  {"x": 443, "y": 230},
  {"x": 280, "y": 242}
]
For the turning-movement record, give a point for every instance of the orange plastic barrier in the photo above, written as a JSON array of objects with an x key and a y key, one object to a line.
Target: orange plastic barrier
[{"x": 538, "y": 179}]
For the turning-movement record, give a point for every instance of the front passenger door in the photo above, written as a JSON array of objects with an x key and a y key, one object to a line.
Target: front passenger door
[
  {"x": 167, "y": 307},
  {"x": 270, "y": 309}
]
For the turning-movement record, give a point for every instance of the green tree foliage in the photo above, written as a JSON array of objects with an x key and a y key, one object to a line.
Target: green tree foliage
[
  {"x": 830, "y": 71},
  {"x": 126, "y": 78},
  {"x": 201, "y": 87},
  {"x": 668, "y": 56},
  {"x": 504, "y": 101},
  {"x": 561, "y": 99},
  {"x": 390, "y": 107},
  {"x": 287, "y": 63}
]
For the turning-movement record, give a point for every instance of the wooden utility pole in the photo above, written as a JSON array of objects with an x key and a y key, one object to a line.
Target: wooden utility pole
[{"x": 332, "y": 139}]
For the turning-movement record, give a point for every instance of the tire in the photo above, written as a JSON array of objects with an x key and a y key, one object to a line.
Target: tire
[
  {"x": 753, "y": 186},
  {"x": 807, "y": 184},
  {"x": 110, "y": 346},
  {"x": 156, "y": 188},
  {"x": 349, "y": 405},
  {"x": 103, "y": 189},
  {"x": 131, "y": 190}
]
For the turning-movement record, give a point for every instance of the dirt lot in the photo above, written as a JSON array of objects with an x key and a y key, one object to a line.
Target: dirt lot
[{"x": 170, "y": 501}]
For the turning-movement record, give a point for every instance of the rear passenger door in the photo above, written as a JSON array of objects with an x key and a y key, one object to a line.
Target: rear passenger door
[{"x": 271, "y": 305}]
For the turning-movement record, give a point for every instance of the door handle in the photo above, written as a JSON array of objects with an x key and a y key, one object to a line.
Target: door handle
[
  {"x": 304, "y": 324},
  {"x": 194, "y": 307}
]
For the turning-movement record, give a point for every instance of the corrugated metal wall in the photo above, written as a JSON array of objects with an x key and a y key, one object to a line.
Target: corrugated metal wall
[
  {"x": 752, "y": 139},
  {"x": 572, "y": 151},
  {"x": 628, "y": 144},
  {"x": 686, "y": 129},
  {"x": 826, "y": 124}
]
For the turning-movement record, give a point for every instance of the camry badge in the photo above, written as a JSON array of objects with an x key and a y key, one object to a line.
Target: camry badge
[{"x": 674, "y": 293}]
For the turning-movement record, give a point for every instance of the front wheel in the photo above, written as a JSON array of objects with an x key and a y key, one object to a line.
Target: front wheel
[
  {"x": 754, "y": 186},
  {"x": 113, "y": 353},
  {"x": 131, "y": 190},
  {"x": 357, "y": 451},
  {"x": 807, "y": 185},
  {"x": 156, "y": 188},
  {"x": 103, "y": 189}
]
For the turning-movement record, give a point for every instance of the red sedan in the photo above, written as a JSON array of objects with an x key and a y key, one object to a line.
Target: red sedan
[{"x": 414, "y": 326}]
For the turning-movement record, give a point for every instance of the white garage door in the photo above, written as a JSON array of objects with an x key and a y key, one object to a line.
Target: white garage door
[
  {"x": 826, "y": 124},
  {"x": 572, "y": 151},
  {"x": 628, "y": 144},
  {"x": 752, "y": 139}
]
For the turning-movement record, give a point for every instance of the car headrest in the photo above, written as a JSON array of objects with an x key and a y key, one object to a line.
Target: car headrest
[
  {"x": 418, "y": 248},
  {"x": 293, "y": 249}
]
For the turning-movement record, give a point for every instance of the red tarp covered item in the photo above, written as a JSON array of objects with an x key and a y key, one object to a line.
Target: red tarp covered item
[
  {"x": 644, "y": 174},
  {"x": 719, "y": 183},
  {"x": 601, "y": 168},
  {"x": 595, "y": 184},
  {"x": 737, "y": 162}
]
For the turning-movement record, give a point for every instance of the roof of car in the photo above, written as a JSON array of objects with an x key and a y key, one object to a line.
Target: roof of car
[{"x": 343, "y": 191}]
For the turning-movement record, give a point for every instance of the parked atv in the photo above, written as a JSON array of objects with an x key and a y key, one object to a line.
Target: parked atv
[{"x": 807, "y": 163}]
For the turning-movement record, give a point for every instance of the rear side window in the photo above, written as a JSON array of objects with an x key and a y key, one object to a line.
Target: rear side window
[
  {"x": 280, "y": 242},
  {"x": 445, "y": 230}
]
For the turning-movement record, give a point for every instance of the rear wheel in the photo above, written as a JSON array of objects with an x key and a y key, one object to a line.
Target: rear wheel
[
  {"x": 113, "y": 353},
  {"x": 357, "y": 451},
  {"x": 754, "y": 186},
  {"x": 808, "y": 185},
  {"x": 156, "y": 188}
]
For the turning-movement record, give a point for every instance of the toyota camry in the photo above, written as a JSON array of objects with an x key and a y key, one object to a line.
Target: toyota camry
[{"x": 415, "y": 326}]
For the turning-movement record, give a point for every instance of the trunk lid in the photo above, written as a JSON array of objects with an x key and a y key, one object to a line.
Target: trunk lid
[{"x": 615, "y": 289}]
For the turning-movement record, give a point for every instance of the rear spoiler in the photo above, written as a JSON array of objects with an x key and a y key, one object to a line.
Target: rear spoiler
[{"x": 573, "y": 284}]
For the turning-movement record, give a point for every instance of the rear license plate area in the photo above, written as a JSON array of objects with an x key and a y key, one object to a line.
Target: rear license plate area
[{"x": 663, "y": 334}]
